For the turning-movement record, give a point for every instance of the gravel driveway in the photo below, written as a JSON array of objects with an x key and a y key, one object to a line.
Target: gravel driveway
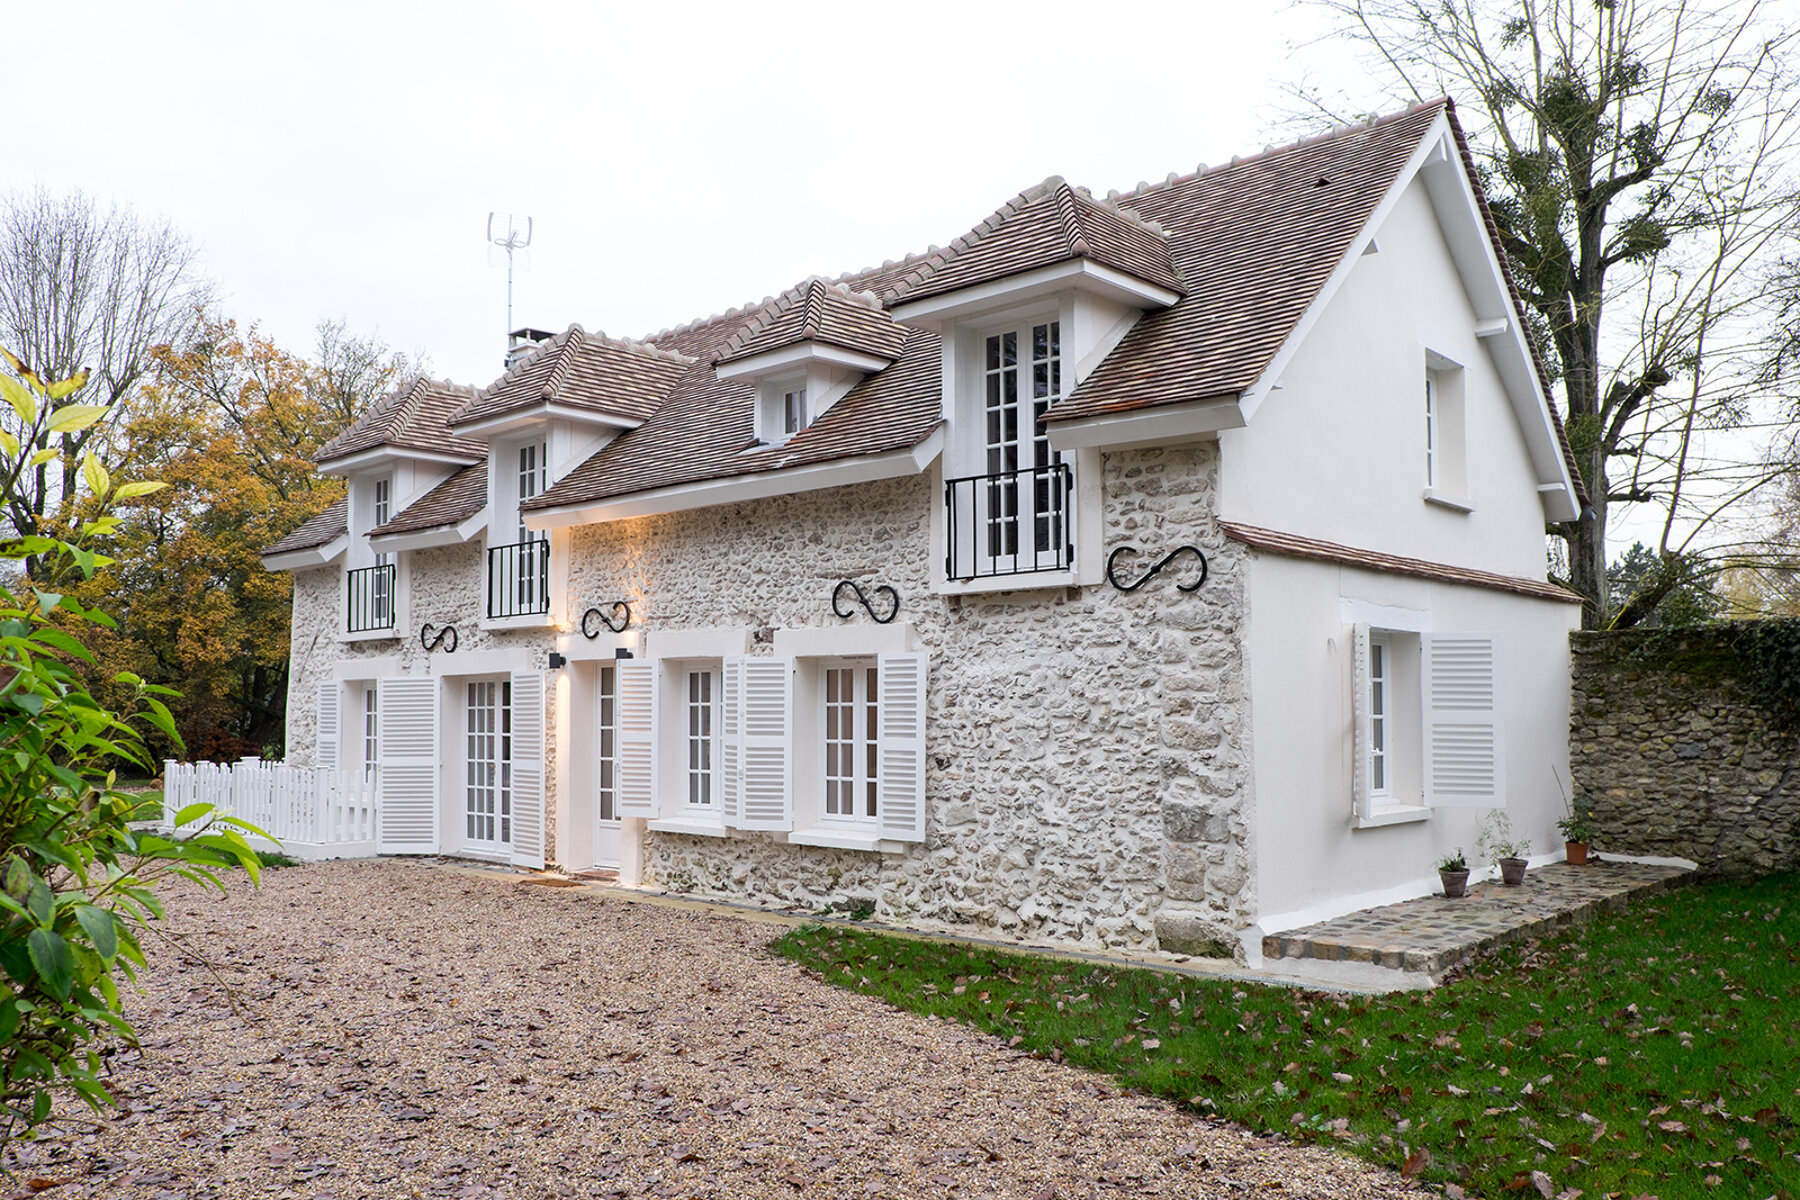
[{"x": 412, "y": 1030}]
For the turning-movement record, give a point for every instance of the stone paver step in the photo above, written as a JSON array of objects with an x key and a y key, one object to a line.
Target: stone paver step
[{"x": 1434, "y": 933}]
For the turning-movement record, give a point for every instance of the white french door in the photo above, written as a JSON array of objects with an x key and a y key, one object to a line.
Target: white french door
[
  {"x": 488, "y": 811},
  {"x": 608, "y": 838},
  {"x": 1020, "y": 504}
]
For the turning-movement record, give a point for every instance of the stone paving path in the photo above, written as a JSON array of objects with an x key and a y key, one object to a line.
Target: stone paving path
[{"x": 1434, "y": 933}]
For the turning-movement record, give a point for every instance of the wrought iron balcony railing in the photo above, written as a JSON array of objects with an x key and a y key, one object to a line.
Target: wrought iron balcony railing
[
  {"x": 372, "y": 598},
  {"x": 1011, "y": 523},
  {"x": 519, "y": 579}
]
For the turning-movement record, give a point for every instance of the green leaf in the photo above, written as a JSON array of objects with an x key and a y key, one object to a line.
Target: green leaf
[
  {"x": 42, "y": 457},
  {"x": 9, "y": 1018},
  {"x": 192, "y": 812},
  {"x": 40, "y": 901},
  {"x": 18, "y": 875},
  {"x": 141, "y": 488},
  {"x": 92, "y": 473},
  {"x": 19, "y": 397},
  {"x": 47, "y": 602},
  {"x": 31, "y": 702},
  {"x": 63, "y": 642},
  {"x": 40, "y": 1106},
  {"x": 9, "y": 443},
  {"x": 100, "y": 929},
  {"x": 55, "y": 965},
  {"x": 73, "y": 418}
]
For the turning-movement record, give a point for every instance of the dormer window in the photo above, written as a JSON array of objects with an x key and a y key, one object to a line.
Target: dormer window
[
  {"x": 793, "y": 404},
  {"x": 534, "y": 471}
]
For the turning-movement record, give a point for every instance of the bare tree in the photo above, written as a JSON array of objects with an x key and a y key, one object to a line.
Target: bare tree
[
  {"x": 86, "y": 287},
  {"x": 1639, "y": 159},
  {"x": 354, "y": 371}
]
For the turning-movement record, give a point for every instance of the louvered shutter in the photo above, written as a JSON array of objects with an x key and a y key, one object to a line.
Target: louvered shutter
[
  {"x": 528, "y": 769},
  {"x": 1465, "y": 759},
  {"x": 407, "y": 749},
  {"x": 731, "y": 740},
  {"x": 636, "y": 680},
  {"x": 900, "y": 746},
  {"x": 326, "y": 757},
  {"x": 766, "y": 756},
  {"x": 1359, "y": 720}
]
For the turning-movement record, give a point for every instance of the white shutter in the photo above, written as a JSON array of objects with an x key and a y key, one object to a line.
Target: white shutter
[
  {"x": 731, "y": 740},
  {"x": 1359, "y": 721},
  {"x": 528, "y": 769},
  {"x": 407, "y": 749},
  {"x": 325, "y": 756},
  {"x": 766, "y": 755},
  {"x": 900, "y": 746},
  {"x": 1465, "y": 755},
  {"x": 637, "y": 700}
]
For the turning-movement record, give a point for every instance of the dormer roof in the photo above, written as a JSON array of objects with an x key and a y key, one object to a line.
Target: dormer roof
[
  {"x": 410, "y": 419},
  {"x": 816, "y": 311},
  {"x": 1040, "y": 227},
  {"x": 621, "y": 382},
  {"x": 327, "y": 527}
]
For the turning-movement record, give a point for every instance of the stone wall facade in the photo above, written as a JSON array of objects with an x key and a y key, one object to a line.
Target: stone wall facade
[
  {"x": 1679, "y": 758},
  {"x": 1087, "y": 750}
]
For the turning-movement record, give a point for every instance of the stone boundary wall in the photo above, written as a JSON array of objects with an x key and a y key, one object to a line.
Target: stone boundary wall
[{"x": 1678, "y": 755}]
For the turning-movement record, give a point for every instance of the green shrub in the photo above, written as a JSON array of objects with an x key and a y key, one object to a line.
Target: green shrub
[{"x": 77, "y": 883}]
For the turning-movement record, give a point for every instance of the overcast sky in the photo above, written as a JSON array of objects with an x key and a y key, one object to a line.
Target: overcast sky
[{"x": 339, "y": 160}]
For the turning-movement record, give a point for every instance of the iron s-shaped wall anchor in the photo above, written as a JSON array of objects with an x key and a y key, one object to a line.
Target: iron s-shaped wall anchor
[
  {"x": 618, "y": 606},
  {"x": 444, "y": 633},
  {"x": 863, "y": 599},
  {"x": 1164, "y": 561}
]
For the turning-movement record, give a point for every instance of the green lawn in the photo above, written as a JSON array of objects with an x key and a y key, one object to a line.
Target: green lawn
[{"x": 1651, "y": 1052}]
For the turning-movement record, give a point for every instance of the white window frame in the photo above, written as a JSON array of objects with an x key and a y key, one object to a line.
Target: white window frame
[
  {"x": 1370, "y": 625},
  {"x": 794, "y": 414},
  {"x": 606, "y": 746},
  {"x": 488, "y": 830},
  {"x": 1381, "y": 709},
  {"x": 862, "y": 745},
  {"x": 371, "y": 732},
  {"x": 700, "y": 740},
  {"x": 1446, "y": 436}
]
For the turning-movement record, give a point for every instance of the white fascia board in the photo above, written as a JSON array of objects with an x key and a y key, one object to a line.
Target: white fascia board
[
  {"x": 1164, "y": 424},
  {"x": 933, "y": 311},
  {"x": 381, "y": 456},
  {"x": 801, "y": 354},
  {"x": 486, "y": 429},
  {"x": 733, "y": 489},
  {"x": 313, "y": 556},
  {"x": 425, "y": 539}
]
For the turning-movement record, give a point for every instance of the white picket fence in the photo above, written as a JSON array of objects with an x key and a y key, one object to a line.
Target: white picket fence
[{"x": 310, "y": 813}]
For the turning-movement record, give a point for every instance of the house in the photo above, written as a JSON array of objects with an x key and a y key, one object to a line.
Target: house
[{"x": 843, "y": 595}]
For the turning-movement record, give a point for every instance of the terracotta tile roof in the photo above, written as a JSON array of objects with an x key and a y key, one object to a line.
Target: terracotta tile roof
[
  {"x": 327, "y": 526},
  {"x": 456, "y": 499},
  {"x": 817, "y": 311},
  {"x": 1042, "y": 226},
  {"x": 1296, "y": 546},
  {"x": 411, "y": 418},
  {"x": 706, "y": 431},
  {"x": 577, "y": 369},
  {"x": 1258, "y": 238}
]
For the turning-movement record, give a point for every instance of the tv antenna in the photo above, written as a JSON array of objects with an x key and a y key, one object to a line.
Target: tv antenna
[{"x": 514, "y": 242}]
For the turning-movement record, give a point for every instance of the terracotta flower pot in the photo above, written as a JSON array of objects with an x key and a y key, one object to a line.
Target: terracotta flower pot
[
  {"x": 1456, "y": 883},
  {"x": 1576, "y": 853},
  {"x": 1512, "y": 871}
]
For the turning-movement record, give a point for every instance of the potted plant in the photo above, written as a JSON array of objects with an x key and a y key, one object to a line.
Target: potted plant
[
  {"x": 1503, "y": 847},
  {"x": 1578, "y": 829},
  {"x": 1453, "y": 873}
]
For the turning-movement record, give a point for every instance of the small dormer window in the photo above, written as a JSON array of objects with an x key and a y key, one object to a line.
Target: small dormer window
[{"x": 793, "y": 403}]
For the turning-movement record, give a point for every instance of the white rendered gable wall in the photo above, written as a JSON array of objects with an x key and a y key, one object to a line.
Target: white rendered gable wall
[{"x": 1338, "y": 451}]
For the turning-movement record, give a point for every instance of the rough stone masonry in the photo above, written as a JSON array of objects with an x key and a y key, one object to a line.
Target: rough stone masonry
[{"x": 1678, "y": 756}]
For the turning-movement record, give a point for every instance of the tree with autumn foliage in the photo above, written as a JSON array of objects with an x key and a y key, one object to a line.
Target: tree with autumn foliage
[{"x": 230, "y": 421}]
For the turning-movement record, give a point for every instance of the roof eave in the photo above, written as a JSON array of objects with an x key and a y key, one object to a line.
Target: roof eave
[
  {"x": 382, "y": 455},
  {"x": 447, "y": 534},
  {"x": 800, "y": 354},
  {"x": 322, "y": 555},
  {"x": 933, "y": 312},
  {"x": 1163, "y": 424},
  {"x": 733, "y": 489},
  {"x": 526, "y": 415}
]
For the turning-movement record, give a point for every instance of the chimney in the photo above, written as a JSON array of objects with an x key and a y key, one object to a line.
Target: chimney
[{"x": 521, "y": 342}]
